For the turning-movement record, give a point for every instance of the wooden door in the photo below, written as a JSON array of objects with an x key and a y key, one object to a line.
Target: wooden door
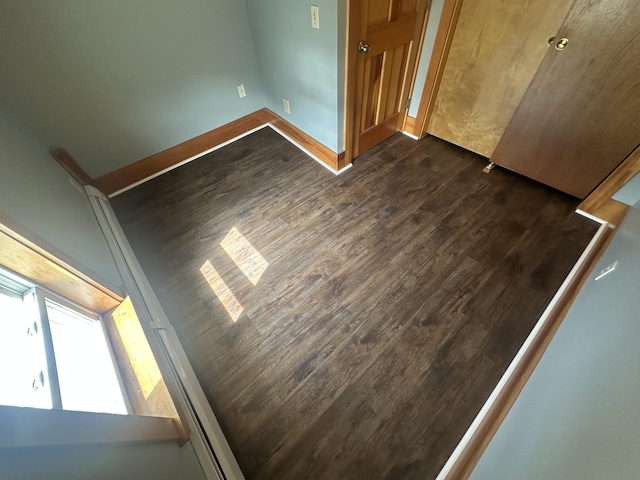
[
  {"x": 380, "y": 71},
  {"x": 580, "y": 117},
  {"x": 496, "y": 50}
]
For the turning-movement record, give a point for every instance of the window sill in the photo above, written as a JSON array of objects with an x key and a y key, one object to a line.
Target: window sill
[{"x": 29, "y": 427}]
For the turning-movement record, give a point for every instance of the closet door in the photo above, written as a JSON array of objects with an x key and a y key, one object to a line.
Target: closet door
[
  {"x": 497, "y": 47},
  {"x": 580, "y": 117}
]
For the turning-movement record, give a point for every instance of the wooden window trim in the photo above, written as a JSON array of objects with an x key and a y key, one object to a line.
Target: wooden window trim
[
  {"x": 31, "y": 257},
  {"x": 159, "y": 419}
]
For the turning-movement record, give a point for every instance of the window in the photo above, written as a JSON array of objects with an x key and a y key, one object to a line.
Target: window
[
  {"x": 54, "y": 353},
  {"x": 48, "y": 304}
]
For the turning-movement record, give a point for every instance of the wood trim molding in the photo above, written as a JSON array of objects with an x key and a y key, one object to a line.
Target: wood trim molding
[
  {"x": 29, "y": 427},
  {"x": 321, "y": 152},
  {"x": 474, "y": 443},
  {"x": 410, "y": 126},
  {"x": 416, "y": 64},
  {"x": 72, "y": 167},
  {"x": 351, "y": 115},
  {"x": 599, "y": 205},
  {"x": 444, "y": 38},
  {"x": 143, "y": 381},
  {"x": 33, "y": 258},
  {"x": 135, "y": 172}
]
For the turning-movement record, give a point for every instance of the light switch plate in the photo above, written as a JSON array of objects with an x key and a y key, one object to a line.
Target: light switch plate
[{"x": 315, "y": 16}]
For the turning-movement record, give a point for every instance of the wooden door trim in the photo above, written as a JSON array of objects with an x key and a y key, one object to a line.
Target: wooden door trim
[
  {"x": 444, "y": 38},
  {"x": 408, "y": 123},
  {"x": 414, "y": 62},
  {"x": 351, "y": 115}
]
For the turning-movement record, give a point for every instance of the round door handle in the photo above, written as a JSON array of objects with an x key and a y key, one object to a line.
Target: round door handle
[
  {"x": 562, "y": 44},
  {"x": 550, "y": 41},
  {"x": 363, "y": 47}
]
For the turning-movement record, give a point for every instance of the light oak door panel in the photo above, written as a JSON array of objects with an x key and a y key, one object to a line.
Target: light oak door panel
[
  {"x": 497, "y": 47},
  {"x": 580, "y": 117},
  {"x": 390, "y": 29}
]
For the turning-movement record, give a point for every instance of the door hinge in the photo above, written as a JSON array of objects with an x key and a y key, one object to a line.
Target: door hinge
[
  {"x": 427, "y": 5},
  {"x": 407, "y": 103}
]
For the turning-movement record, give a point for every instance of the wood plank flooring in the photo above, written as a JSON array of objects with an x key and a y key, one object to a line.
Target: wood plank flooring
[{"x": 395, "y": 296}]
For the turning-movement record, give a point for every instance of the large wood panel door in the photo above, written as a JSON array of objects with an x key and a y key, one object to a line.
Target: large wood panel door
[
  {"x": 382, "y": 46},
  {"x": 497, "y": 47},
  {"x": 580, "y": 117}
]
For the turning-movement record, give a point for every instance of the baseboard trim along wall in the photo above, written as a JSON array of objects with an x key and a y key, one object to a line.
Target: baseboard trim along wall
[
  {"x": 335, "y": 162},
  {"x": 472, "y": 445},
  {"x": 135, "y": 173}
]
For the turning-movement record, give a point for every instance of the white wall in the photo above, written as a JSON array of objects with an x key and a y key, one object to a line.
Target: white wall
[
  {"x": 115, "y": 81},
  {"x": 36, "y": 192}
]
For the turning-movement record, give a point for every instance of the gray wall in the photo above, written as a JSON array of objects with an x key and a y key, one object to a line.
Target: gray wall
[
  {"x": 578, "y": 416},
  {"x": 302, "y": 64},
  {"x": 161, "y": 461},
  {"x": 36, "y": 192},
  {"x": 115, "y": 81}
]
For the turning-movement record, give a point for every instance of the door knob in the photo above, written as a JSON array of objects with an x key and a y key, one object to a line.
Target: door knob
[
  {"x": 550, "y": 41},
  {"x": 363, "y": 47},
  {"x": 562, "y": 44}
]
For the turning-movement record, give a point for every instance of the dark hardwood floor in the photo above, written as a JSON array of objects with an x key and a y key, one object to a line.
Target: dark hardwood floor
[{"x": 395, "y": 296}]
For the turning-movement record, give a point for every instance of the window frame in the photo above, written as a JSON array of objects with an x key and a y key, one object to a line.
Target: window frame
[
  {"x": 29, "y": 257},
  {"x": 42, "y": 297}
]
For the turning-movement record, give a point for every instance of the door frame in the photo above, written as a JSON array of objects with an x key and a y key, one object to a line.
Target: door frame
[{"x": 444, "y": 38}]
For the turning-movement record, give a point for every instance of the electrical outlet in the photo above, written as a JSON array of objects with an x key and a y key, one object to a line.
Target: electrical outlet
[
  {"x": 287, "y": 107},
  {"x": 315, "y": 16},
  {"x": 241, "y": 91}
]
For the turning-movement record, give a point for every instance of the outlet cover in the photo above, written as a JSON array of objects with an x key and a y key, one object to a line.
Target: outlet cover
[
  {"x": 287, "y": 107},
  {"x": 241, "y": 91}
]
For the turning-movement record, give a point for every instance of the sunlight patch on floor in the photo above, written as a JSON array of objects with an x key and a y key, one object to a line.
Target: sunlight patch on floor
[
  {"x": 244, "y": 255},
  {"x": 222, "y": 291}
]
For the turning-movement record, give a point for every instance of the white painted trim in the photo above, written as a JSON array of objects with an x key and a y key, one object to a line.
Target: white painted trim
[
  {"x": 531, "y": 340},
  {"x": 590, "y": 216},
  {"x": 211, "y": 447},
  {"x": 284, "y": 135},
  {"x": 213, "y": 149},
  {"x": 410, "y": 135},
  {"x": 183, "y": 162},
  {"x": 343, "y": 169}
]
